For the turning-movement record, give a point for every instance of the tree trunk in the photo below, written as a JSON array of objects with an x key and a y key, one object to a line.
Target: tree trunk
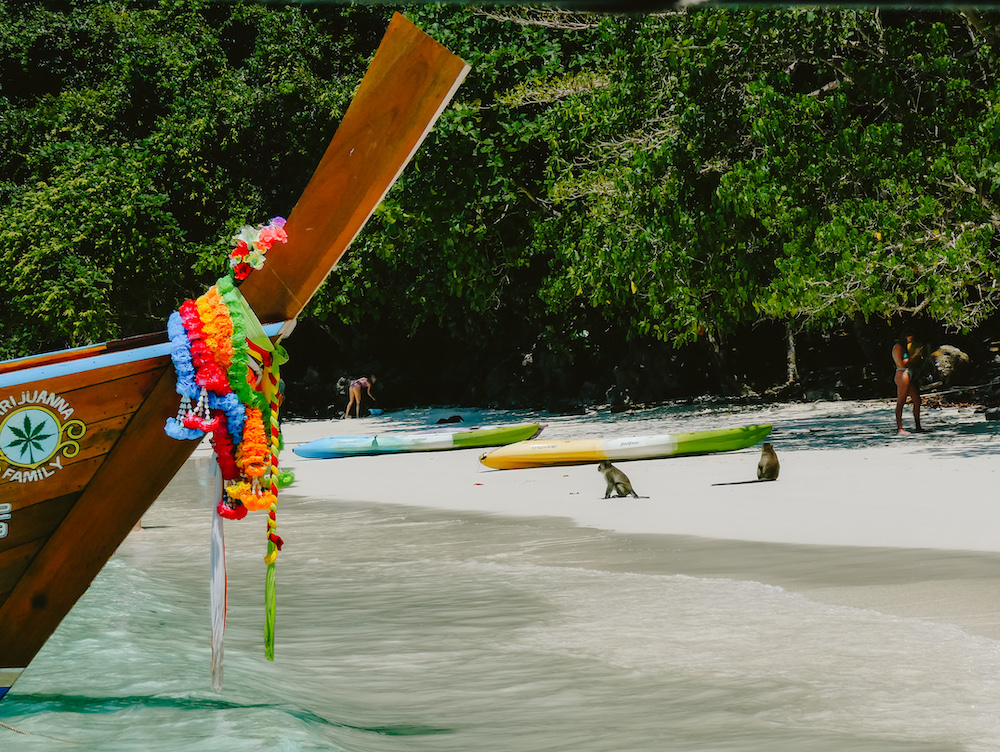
[
  {"x": 731, "y": 385},
  {"x": 863, "y": 334},
  {"x": 793, "y": 368}
]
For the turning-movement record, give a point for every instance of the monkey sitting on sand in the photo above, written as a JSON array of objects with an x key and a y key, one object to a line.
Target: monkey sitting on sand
[
  {"x": 617, "y": 480},
  {"x": 768, "y": 467}
]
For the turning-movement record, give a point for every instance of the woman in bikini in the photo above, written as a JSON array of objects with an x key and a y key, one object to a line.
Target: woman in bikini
[
  {"x": 355, "y": 395},
  {"x": 906, "y": 354}
]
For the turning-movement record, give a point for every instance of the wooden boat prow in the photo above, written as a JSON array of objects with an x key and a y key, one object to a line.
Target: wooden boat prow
[
  {"x": 353, "y": 175},
  {"x": 66, "y": 504}
]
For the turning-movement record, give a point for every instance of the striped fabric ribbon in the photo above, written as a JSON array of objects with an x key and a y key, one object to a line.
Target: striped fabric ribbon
[
  {"x": 218, "y": 585},
  {"x": 271, "y": 391}
]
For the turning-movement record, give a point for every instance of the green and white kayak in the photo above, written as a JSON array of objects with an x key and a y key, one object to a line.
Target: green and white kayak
[
  {"x": 436, "y": 439},
  {"x": 584, "y": 451}
]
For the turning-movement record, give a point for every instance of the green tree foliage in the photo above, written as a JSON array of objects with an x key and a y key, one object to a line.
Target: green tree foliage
[
  {"x": 450, "y": 247},
  {"x": 673, "y": 176},
  {"x": 886, "y": 181},
  {"x": 683, "y": 175},
  {"x": 796, "y": 164}
]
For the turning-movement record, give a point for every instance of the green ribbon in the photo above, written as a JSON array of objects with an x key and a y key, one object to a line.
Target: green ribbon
[{"x": 269, "y": 607}]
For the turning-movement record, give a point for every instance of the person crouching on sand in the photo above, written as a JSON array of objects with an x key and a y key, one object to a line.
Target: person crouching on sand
[
  {"x": 355, "y": 395},
  {"x": 907, "y": 354}
]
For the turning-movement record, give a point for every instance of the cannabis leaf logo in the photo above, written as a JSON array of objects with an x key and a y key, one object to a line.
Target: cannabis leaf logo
[{"x": 29, "y": 438}]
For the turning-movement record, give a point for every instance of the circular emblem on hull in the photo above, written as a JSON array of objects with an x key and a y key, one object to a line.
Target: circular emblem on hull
[
  {"x": 36, "y": 434},
  {"x": 29, "y": 436}
]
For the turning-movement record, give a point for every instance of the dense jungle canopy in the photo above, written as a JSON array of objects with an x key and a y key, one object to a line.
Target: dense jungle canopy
[{"x": 674, "y": 178}]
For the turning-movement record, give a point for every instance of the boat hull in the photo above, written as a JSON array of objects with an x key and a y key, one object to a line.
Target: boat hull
[
  {"x": 69, "y": 513},
  {"x": 527, "y": 454},
  {"x": 424, "y": 441}
]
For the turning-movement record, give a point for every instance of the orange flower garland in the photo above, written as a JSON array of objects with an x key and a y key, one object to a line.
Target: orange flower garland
[{"x": 253, "y": 460}]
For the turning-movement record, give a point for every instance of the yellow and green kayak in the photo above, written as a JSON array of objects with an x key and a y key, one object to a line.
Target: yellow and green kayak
[{"x": 583, "y": 451}]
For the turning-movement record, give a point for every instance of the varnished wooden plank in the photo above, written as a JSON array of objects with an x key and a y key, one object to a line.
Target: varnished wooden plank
[
  {"x": 88, "y": 378},
  {"x": 77, "y": 353},
  {"x": 409, "y": 82},
  {"x": 14, "y": 561},
  {"x": 46, "y": 359},
  {"x": 100, "y": 437},
  {"x": 120, "y": 396},
  {"x": 29, "y": 530},
  {"x": 74, "y": 477},
  {"x": 62, "y": 474},
  {"x": 36, "y": 521},
  {"x": 98, "y": 440}
]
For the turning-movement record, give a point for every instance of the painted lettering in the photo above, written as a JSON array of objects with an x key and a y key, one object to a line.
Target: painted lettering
[
  {"x": 43, "y": 397},
  {"x": 58, "y": 404}
]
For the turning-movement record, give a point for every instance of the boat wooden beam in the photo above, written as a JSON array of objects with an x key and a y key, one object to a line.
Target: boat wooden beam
[{"x": 409, "y": 82}]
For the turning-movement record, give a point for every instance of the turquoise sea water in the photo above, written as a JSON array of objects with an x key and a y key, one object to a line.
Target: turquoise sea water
[{"x": 402, "y": 629}]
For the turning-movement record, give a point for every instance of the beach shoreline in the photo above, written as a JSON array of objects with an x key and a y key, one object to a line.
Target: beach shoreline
[{"x": 857, "y": 518}]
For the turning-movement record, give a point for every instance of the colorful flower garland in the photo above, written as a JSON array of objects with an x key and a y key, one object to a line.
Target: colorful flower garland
[
  {"x": 217, "y": 381},
  {"x": 229, "y": 388}
]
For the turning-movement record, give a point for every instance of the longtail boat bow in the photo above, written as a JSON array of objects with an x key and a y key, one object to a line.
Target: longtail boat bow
[{"x": 96, "y": 456}]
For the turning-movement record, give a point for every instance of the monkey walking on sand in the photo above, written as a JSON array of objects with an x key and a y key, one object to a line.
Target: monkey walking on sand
[{"x": 617, "y": 480}]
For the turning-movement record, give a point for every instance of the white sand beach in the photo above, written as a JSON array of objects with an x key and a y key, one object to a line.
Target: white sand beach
[{"x": 846, "y": 479}]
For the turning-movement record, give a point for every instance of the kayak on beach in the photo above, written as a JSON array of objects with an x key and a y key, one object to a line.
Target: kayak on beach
[
  {"x": 435, "y": 439},
  {"x": 582, "y": 451}
]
